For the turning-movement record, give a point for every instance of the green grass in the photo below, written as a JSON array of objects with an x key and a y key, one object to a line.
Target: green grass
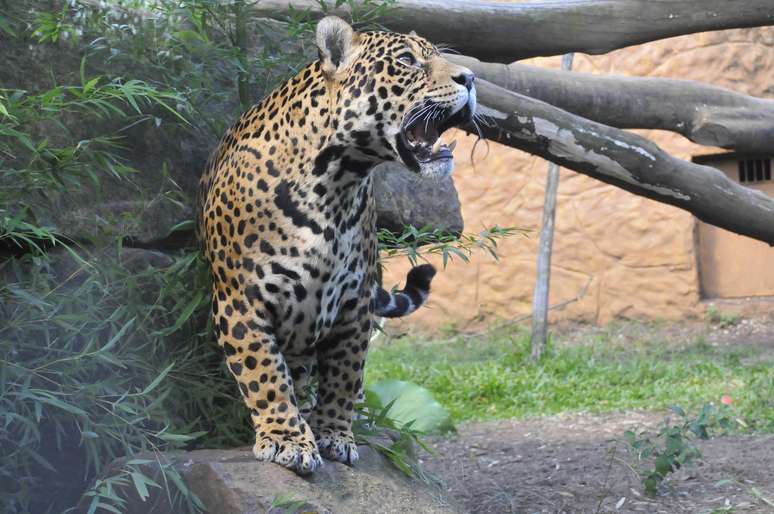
[{"x": 491, "y": 377}]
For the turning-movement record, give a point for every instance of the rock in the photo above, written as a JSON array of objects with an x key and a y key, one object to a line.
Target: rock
[
  {"x": 233, "y": 482},
  {"x": 405, "y": 198}
]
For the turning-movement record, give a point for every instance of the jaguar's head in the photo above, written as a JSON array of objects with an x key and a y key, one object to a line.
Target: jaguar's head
[{"x": 395, "y": 95}]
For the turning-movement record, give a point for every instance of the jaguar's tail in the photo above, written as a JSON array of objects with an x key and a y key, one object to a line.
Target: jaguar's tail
[{"x": 408, "y": 299}]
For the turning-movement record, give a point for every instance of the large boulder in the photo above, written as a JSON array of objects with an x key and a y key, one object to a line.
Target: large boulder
[
  {"x": 405, "y": 198},
  {"x": 233, "y": 482}
]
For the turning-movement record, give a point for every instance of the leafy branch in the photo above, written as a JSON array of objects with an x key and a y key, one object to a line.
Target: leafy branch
[{"x": 414, "y": 243}]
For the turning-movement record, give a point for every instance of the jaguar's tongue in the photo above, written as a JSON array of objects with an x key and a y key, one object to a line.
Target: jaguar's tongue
[
  {"x": 426, "y": 142},
  {"x": 423, "y": 134}
]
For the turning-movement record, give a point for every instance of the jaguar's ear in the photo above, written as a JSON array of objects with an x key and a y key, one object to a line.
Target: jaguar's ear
[
  {"x": 413, "y": 33},
  {"x": 335, "y": 41}
]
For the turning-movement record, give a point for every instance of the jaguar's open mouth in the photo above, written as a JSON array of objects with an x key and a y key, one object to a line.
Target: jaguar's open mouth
[{"x": 419, "y": 141}]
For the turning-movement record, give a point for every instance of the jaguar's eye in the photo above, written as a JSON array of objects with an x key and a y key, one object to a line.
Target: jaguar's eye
[{"x": 408, "y": 59}]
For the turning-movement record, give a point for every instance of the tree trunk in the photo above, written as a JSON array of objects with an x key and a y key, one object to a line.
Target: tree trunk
[
  {"x": 241, "y": 44},
  {"x": 704, "y": 114},
  {"x": 504, "y": 32},
  {"x": 543, "y": 273},
  {"x": 626, "y": 160}
]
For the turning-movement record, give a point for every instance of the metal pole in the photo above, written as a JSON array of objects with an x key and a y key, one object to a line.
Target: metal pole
[{"x": 543, "y": 274}]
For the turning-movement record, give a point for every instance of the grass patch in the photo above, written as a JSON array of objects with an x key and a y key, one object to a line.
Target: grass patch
[{"x": 491, "y": 377}]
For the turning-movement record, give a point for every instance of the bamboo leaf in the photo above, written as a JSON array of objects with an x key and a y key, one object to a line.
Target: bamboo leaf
[
  {"x": 156, "y": 381},
  {"x": 139, "y": 485},
  {"x": 117, "y": 337}
]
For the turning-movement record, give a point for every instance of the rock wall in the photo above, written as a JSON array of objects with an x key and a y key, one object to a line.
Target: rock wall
[{"x": 626, "y": 256}]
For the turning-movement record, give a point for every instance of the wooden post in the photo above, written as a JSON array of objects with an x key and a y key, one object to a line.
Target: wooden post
[{"x": 543, "y": 274}]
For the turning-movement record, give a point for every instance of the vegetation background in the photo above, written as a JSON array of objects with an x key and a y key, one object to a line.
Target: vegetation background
[
  {"x": 105, "y": 344},
  {"x": 103, "y": 352},
  {"x": 105, "y": 348}
]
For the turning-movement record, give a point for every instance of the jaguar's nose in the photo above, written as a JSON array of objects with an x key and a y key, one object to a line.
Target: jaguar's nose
[{"x": 466, "y": 79}]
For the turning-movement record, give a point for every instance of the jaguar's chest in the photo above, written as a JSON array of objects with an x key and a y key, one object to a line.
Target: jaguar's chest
[{"x": 334, "y": 277}]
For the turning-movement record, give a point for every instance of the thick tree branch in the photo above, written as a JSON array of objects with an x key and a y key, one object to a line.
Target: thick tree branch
[
  {"x": 625, "y": 160},
  {"x": 704, "y": 114},
  {"x": 504, "y": 32}
]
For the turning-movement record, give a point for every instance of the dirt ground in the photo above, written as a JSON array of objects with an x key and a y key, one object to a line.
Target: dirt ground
[{"x": 578, "y": 463}]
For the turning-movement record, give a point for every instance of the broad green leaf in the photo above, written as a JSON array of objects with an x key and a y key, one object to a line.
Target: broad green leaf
[
  {"x": 412, "y": 404},
  {"x": 663, "y": 465}
]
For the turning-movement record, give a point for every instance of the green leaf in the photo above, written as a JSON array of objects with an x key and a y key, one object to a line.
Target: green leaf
[
  {"x": 93, "y": 505},
  {"x": 117, "y": 337},
  {"x": 4, "y": 111},
  {"x": 109, "y": 508},
  {"x": 45, "y": 397},
  {"x": 156, "y": 381},
  {"x": 412, "y": 405},
  {"x": 139, "y": 484},
  {"x": 139, "y": 462},
  {"x": 28, "y": 298},
  {"x": 6, "y": 27},
  {"x": 128, "y": 90},
  {"x": 185, "y": 314},
  {"x": 677, "y": 410},
  {"x": 183, "y": 225},
  {"x": 179, "y": 438},
  {"x": 651, "y": 485},
  {"x": 83, "y": 70},
  {"x": 663, "y": 465},
  {"x": 90, "y": 84}
]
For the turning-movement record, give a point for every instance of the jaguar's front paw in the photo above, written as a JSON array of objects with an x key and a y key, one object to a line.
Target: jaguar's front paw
[
  {"x": 290, "y": 448},
  {"x": 337, "y": 445}
]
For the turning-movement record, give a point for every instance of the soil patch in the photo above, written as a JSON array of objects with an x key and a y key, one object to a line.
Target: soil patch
[
  {"x": 756, "y": 332},
  {"x": 578, "y": 463}
]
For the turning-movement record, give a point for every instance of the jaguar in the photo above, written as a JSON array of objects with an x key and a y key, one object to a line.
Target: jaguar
[{"x": 287, "y": 222}]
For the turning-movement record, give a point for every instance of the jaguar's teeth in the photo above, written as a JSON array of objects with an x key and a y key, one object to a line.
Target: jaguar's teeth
[
  {"x": 437, "y": 146},
  {"x": 452, "y": 145}
]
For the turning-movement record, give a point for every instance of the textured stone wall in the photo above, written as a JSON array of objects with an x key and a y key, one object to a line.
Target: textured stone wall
[{"x": 633, "y": 257}]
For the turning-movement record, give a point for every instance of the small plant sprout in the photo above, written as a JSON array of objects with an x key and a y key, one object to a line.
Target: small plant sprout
[{"x": 673, "y": 446}]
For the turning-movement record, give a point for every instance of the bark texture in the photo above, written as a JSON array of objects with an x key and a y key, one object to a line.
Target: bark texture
[
  {"x": 626, "y": 160},
  {"x": 704, "y": 114},
  {"x": 501, "y": 32}
]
